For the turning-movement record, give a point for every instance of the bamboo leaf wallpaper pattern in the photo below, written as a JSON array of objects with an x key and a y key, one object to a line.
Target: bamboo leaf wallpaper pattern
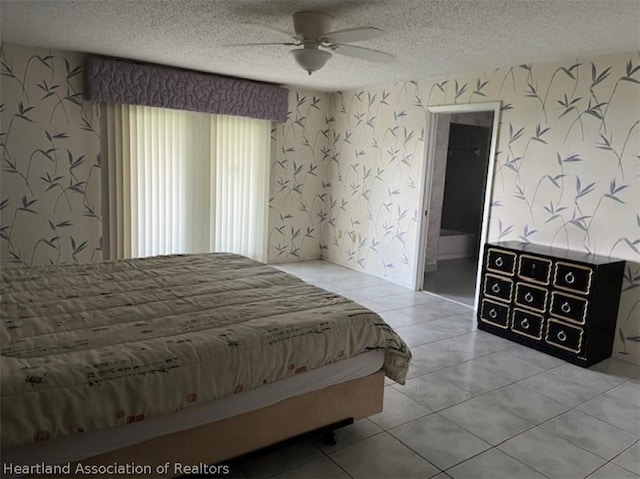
[
  {"x": 51, "y": 181},
  {"x": 346, "y": 167},
  {"x": 566, "y": 169},
  {"x": 299, "y": 158}
]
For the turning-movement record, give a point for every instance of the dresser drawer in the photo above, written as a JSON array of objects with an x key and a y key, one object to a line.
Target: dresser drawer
[
  {"x": 527, "y": 323},
  {"x": 572, "y": 277},
  {"x": 494, "y": 313},
  {"x": 531, "y": 296},
  {"x": 500, "y": 261},
  {"x": 564, "y": 336},
  {"x": 570, "y": 308},
  {"x": 537, "y": 270},
  {"x": 497, "y": 287}
]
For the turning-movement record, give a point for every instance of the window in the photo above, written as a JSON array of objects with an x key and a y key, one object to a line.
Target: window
[{"x": 184, "y": 182}]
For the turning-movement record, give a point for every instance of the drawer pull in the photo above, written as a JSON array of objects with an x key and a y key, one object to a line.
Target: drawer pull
[
  {"x": 499, "y": 261},
  {"x": 495, "y": 288},
  {"x": 493, "y": 314},
  {"x": 525, "y": 324},
  {"x": 566, "y": 307},
  {"x": 562, "y": 336},
  {"x": 528, "y": 297},
  {"x": 569, "y": 278}
]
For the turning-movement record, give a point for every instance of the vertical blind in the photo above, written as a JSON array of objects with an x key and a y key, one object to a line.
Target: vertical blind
[{"x": 184, "y": 182}]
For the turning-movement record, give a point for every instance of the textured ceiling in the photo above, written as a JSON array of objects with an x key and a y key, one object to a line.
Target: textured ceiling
[{"x": 430, "y": 38}]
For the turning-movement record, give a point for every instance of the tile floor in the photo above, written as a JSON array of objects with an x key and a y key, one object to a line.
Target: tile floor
[
  {"x": 455, "y": 279},
  {"x": 475, "y": 406}
]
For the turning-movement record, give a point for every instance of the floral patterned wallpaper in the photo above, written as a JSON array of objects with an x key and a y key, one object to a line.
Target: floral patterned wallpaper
[
  {"x": 377, "y": 149},
  {"x": 566, "y": 167},
  {"x": 299, "y": 160},
  {"x": 50, "y": 203},
  {"x": 346, "y": 167}
]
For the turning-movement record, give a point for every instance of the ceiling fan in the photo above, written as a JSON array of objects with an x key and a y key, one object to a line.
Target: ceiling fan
[{"x": 313, "y": 34}]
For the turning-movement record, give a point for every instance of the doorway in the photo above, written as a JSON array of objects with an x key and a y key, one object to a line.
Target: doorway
[{"x": 457, "y": 197}]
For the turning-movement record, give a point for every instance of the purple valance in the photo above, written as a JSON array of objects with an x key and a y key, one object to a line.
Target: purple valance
[{"x": 120, "y": 81}]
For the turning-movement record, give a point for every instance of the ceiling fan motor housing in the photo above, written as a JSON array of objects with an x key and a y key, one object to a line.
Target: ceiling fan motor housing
[{"x": 311, "y": 24}]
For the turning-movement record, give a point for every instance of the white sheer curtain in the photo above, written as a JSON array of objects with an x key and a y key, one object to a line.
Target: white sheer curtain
[{"x": 184, "y": 182}]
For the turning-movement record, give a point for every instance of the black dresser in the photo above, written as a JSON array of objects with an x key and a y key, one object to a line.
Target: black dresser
[{"x": 561, "y": 302}]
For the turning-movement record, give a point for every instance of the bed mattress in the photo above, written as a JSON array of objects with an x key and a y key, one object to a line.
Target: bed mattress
[
  {"x": 78, "y": 446},
  {"x": 95, "y": 346}
]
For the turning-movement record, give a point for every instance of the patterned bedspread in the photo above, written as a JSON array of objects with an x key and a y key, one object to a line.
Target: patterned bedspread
[{"x": 93, "y": 346}]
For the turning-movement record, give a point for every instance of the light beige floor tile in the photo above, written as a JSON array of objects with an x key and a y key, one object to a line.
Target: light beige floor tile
[
  {"x": 589, "y": 433},
  {"x": 491, "y": 423},
  {"x": 618, "y": 367},
  {"x": 437, "y": 309},
  {"x": 383, "y": 456},
  {"x": 493, "y": 464},
  {"x": 614, "y": 411},
  {"x": 509, "y": 365},
  {"x": 561, "y": 389},
  {"x": 598, "y": 380},
  {"x": 630, "y": 459},
  {"x": 525, "y": 403},
  {"x": 439, "y": 355},
  {"x": 439, "y": 441},
  {"x": 551, "y": 455},
  {"x": 322, "y": 467},
  {"x": 398, "y": 409},
  {"x": 434, "y": 392},
  {"x": 472, "y": 378},
  {"x": 348, "y": 435},
  {"x": 396, "y": 319},
  {"x": 611, "y": 471},
  {"x": 629, "y": 392},
  {"x": 542, "y": 360}
]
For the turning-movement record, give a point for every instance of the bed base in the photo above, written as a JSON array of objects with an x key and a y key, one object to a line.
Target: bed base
[
  {"x": 220, "y": 441},
  {"x": 326, "y": 433},
  {"x": 329, "y": 432}
]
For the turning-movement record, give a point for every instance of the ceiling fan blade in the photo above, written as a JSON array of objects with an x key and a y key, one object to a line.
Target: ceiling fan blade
[
  {"x": 292, "y": 44},
  {"x": 363, "y": 53},
  {"x": 279, "y": 31},
  {"x": 350, "y": 35}
]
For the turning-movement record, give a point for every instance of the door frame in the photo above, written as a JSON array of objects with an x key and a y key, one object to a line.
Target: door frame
[{"x": 427, "y": 178}]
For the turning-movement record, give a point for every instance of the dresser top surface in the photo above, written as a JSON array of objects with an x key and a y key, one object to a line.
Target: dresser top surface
[{"x": 559, "y": 253}]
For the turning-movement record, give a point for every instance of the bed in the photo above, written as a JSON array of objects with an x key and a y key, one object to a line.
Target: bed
[{"x": 186, "y": 358}]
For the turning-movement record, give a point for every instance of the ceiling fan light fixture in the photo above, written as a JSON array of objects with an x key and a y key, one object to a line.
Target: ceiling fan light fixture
[{"x": 311, "y": 59}]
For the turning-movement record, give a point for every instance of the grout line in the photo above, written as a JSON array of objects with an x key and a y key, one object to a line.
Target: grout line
[
  {"x": 384, "y": 429},
  {"x": 328, "y": 455},
  {"x": 620, "y": 454},
  {"x": 500, "y": 450},
  {"x": 334, "y": 462},
  {"x": 414, "y": 451},
  {"x": 521, "y": 462},
  {"x": 606, "y": 463},
  {"x": 449, "y": 299}
]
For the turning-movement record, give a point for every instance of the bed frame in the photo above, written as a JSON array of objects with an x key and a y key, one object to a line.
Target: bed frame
[{"x": 229, "y": 438}]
